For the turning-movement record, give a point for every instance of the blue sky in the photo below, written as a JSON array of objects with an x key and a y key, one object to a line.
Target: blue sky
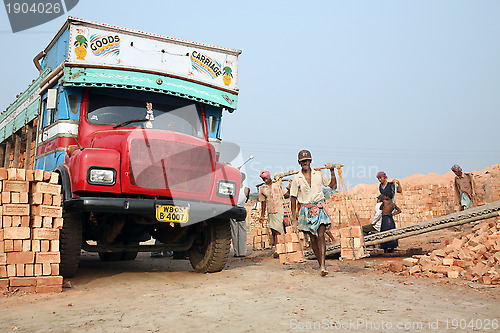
[{"x": 401, "y": 86}]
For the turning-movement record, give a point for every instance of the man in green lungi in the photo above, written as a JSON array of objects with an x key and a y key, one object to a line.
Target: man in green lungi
[{"x": 307, "y": 190}]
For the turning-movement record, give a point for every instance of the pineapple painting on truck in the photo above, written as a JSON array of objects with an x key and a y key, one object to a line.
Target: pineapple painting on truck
[{"x": 131, "y": 122}]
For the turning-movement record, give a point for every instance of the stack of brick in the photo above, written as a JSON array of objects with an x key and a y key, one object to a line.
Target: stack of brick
[
  {"x": 31, "y": 217},
  {"x": 260, "y": 239},
  {"x": 475, "y": 256},
  {"x": 351, "y": 243},
  {"x": 289, "y": 246}
]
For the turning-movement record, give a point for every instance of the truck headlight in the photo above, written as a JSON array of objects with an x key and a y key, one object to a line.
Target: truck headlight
[
  {"x": 101, "y": 176},
  {"x": 226, "y": 188}
]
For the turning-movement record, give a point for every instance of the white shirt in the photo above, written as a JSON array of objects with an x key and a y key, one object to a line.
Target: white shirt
[{"x": 377, "y": 219}]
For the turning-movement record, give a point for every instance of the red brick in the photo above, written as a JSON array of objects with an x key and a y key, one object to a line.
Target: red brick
[
  {"x": 46, "y": 233},
  {"x": 16, "y": 209},
  {"x": 11, "y": 270},
  {"x": 8, "y": 245},
  {"x": 44, "y": 210},
  {"x": 46, "y": 268},
  {"x": 24, "y": 289},
  {"x": 45, "y": 246},
  {"x": 35, "y": 245},
  {"x": 47, "y": 222},
  {"x": 16, "y": 221},
  {"x": 48, "y": 289},
  {"x": 15, "y": 186},
  {"x": 25, "y": 221},
  {"x": 38, "y": 175},
  {"x": 29, "y": 270},
  {"x": 3, "y": 271},
  {"x": 21, "y": 174},
  {"x": 3, "y": 259},
  {"x": 41, "y": 187},
  {"x": 4, "y": 283},
  {"x": 57, "y": 222},
  {"x": 3, "y": 173},
  {"x": 54, "y": 178},
  {"x": 293, "y": 247},
  {"x": 17, "y": 233},
  {"x": 54, "y": 269},
  {"x": 56, "y": 200},
  {"x": 36, "y": 221},
  {"x": 5, "y": 197},
  {"x": 20, "y": 257},
  {"x": 38, "y": 269},
  {"x": 295, "y": 256},
  {"x": 18, "y": 245},
  {"x": 12, "y": 174},
  {"x": 30, "y": 175},
  {"x": 22, "y": 281},
  {"x": 49, "y": 280},
  {"x": 47, "y": 257},
  {"x": 36, "y": 198}
]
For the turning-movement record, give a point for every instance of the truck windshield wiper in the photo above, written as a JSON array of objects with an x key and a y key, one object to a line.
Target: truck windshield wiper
[{"x": 128, "y": 122}]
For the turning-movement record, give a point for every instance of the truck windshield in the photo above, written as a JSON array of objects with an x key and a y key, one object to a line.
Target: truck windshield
[{"x": 162, "y": 112}]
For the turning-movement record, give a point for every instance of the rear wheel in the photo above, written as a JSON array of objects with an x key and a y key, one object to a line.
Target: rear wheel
[
  {"x": 70, "y": 244},
  {"x": 210, "y": 250}
]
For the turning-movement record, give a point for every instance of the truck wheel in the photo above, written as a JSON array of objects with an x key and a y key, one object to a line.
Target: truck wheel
[
  {"x": 70, "y": 244},
  {"x": 130, "y": 255},
  {"x": 210, "y": 250}
]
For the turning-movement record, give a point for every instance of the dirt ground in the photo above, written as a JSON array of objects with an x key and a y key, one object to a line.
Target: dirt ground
[{"x": 254, "y": 294}]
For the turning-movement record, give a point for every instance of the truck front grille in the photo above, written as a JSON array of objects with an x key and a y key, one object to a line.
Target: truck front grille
[{"x": 170, "y": 165}]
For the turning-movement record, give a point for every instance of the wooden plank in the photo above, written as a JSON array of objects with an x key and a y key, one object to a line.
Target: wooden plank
[
  {"x": 8, "y": 147},
  {"x": 17, "y": 150},
  {"x": 29, "y": 139}
]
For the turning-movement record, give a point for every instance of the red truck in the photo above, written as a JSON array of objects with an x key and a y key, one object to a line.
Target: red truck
[{"x": 131, "y": 122}]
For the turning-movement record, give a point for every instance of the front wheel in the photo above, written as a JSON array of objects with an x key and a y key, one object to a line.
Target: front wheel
[
  {"x": 70, "y": 244},
  {"x": 210, "y": 250}
]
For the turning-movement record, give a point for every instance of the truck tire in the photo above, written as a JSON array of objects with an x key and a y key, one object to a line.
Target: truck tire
[
  {"x": 210, "y": 251},
  {"x": 70, "y": 244},
  {"x": 129, "y": 255}
]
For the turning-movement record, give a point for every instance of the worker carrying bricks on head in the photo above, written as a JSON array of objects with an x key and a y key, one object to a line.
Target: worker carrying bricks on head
[
  {"x": 306, "y": 189},
  {"x": 271, "y": 196},
  {"x": 464, "y": 187}
]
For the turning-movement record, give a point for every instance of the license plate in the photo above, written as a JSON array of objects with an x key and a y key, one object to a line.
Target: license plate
[{"x": 170, "y": 213}]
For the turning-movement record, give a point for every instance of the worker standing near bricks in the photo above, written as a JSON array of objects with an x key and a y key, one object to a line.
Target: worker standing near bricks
[
  {"x": 389, "y": 209},
  {"x": 464, "y": 187},
  {"x": 312, "y": 218},
  {"x": 386, "y": 186},
  {"x": 271, "y": 195}
]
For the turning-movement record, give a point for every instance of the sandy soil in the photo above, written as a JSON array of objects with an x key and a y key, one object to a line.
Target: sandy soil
[{"x": 253, "y": 294}]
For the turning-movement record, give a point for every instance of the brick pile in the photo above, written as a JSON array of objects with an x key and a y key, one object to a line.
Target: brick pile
[
  {"x": 289, "y": 246},
  {"x": 475, "y": 256},
  {"x": 30, "y": 220},
  {"x": 351, "y": 243},
  {"x": 258, "y": 232},
  {"x": 424, "y": 197}
]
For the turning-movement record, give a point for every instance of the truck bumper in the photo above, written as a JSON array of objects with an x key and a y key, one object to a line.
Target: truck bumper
[{"x": 198, "y": 211}]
